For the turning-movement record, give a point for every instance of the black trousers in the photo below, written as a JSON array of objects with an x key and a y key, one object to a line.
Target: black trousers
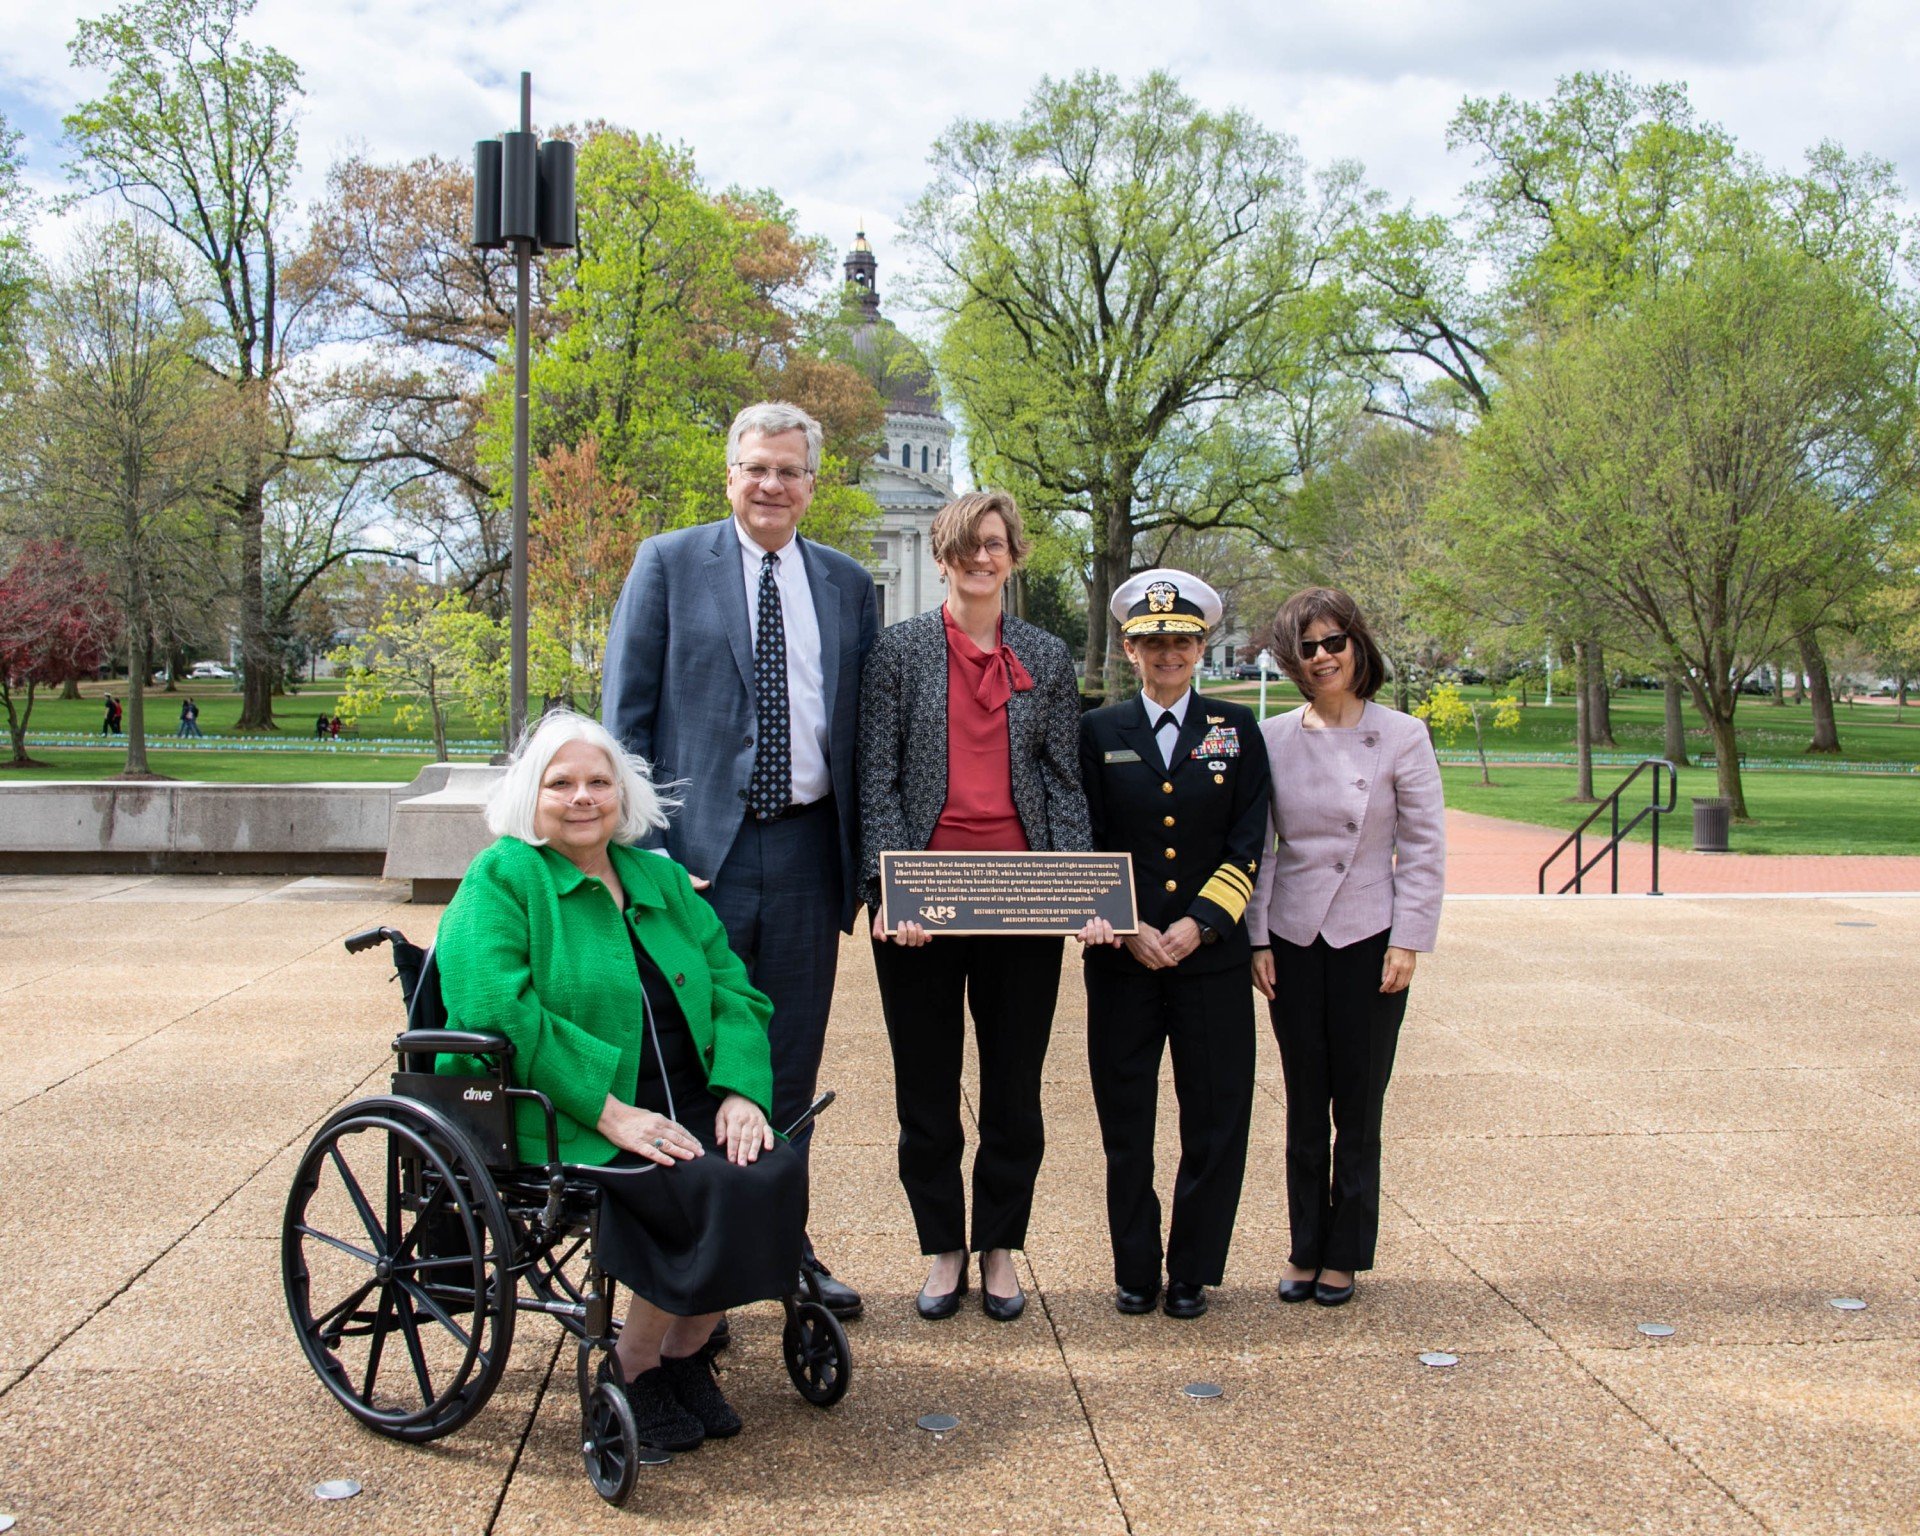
[
  {"x": 1207, "y": 1020},
  {"x": 1337, "y": 1032},
  {"x": 1010, "y": 984}
]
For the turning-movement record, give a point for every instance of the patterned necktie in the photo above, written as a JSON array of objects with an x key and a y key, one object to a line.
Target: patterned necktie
[{"x": 772, "y": 784}]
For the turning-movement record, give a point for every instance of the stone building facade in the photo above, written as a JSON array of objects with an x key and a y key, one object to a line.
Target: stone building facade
[{"x": 912, "y": 476}]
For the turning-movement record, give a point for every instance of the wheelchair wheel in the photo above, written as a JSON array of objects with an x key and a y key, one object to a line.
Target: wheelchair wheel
[
  {"x": 818, "y": 1359},
  {"x": 396, "y": 1257},
  {"x": 610, "y": 1444}
]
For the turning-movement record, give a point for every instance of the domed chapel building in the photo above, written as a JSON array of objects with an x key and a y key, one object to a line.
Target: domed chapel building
[{"x": 911, "y": 477}]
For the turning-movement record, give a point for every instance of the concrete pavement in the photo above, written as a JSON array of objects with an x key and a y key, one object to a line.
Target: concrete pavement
[{"x": 1698, "y": 1112}]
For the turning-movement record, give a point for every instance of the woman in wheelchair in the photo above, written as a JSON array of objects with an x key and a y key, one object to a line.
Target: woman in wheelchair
[{"x": 613, "y": 979}]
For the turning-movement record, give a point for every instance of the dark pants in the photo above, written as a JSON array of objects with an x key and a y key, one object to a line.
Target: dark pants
[
  {"x": 1337, "y": 1032},
  {"x": 1207, "y": 1021},
  {"x": 778, "y": 893},
  {"x": 1011, "y": 985}
]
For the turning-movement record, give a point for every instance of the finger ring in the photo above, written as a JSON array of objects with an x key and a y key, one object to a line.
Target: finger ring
[{"x": 659, "y": 1141}]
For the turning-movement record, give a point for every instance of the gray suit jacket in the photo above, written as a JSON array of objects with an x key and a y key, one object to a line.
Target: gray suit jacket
[
  {"x": 679, "y": 684},
  {"x": 903, "y": 743}
]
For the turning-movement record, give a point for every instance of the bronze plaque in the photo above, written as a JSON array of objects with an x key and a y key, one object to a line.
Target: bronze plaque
[{"x": 974, "y": 893}]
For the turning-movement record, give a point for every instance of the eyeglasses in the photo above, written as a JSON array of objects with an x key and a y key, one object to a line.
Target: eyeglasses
[
  {"x": 1332, "y": 644},
  {"x": 786, "y": 474},
  {"x": 569, "y": 789},
  {"x": 992, "y": 548}
]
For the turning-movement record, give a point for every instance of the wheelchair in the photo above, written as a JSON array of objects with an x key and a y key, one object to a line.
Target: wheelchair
[{"x": 414, "y": 1237}]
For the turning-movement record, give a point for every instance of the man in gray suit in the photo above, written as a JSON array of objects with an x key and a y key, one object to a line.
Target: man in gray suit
[{"x": 733, "y": 667}]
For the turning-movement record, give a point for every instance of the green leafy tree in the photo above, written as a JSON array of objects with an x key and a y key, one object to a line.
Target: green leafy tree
[
  {"x": 17, "y": 265},
  {"x": 195, "y": 130},
  {"x": 430, "y": 650},
  {"x": 1448, "y": 712},
  {"x": 1130, "y": 289}
]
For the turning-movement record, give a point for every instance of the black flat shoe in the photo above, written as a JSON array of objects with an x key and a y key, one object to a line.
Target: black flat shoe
[
  {"x": 1134, "y": 1302},
  {"x": 1297, "y": 1290},
  {"x": 843, "y": 1301},
  {"x": 1332, "y": 1295},
  {"x": 657, "y": 1414},
  {"x": 935, "y": 1308},
  {"x": 1002, "y": 1309},
  {"x": 690, "y": 1378},
  {"x": 720, "y": 1338},
  {"x": 1184, "y": 1300}
]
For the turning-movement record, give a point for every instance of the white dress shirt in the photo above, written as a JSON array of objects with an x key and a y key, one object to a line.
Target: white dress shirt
[
  {"x": 1168, "y": 736},
  {"x": 806, "y": 685}
]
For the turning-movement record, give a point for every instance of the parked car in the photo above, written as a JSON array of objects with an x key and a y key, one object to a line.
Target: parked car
[
  {"x": 1247, "y": 672},
  {"x": 210, "y": 669}
]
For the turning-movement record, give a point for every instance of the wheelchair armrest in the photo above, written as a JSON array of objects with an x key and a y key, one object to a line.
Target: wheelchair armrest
[{"x": 453, "y": 1042}]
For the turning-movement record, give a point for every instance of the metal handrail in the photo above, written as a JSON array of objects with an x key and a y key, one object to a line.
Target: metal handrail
[{"x": 1653, "y": 808}]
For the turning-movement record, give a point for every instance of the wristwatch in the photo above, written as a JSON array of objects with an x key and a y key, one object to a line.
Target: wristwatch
[{"x": 1207, "y": 935}]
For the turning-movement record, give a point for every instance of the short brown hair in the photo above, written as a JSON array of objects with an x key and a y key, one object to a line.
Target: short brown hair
[
  {"x": 1306, "y": 608},
  {"x": 956, "y": 526}
]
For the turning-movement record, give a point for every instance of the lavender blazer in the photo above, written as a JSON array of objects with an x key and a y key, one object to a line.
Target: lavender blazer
[{"x": 1344, "y": 804}]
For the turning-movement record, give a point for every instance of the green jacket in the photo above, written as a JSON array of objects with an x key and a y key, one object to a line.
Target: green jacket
[{"x": 536, "y": 950}]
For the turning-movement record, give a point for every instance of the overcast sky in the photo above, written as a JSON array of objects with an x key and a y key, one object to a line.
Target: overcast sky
[{"x": 833, "y": 103}]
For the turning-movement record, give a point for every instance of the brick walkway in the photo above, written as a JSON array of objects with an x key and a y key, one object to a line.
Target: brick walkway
[{"x": 1489, "y": 856}]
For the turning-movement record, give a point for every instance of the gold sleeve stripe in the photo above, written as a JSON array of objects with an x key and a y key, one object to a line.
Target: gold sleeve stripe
[
  {"x": 1236, "y": 876},
  {"x": 1226, "y": 895}
]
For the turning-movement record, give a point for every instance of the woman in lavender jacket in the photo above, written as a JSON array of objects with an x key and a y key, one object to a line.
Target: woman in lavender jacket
[{"x": 1348, "y": 896}]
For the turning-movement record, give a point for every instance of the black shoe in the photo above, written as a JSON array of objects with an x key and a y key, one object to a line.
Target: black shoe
[
  {"x": 1296, "y": 1290},
  {"x": 720, "y": 1338},
  {"x": 1332, "y": 1295},
  {"x": 657, "y": 1415},
  {"x": 1134, "y": 1302},
  {"x": 1002, "y": 1309},
  {"x": 843, "y": 1301},
  {"x": 935, "y": 1308},
  {"x": 691, "y": 1378},
  {"x": 1184, "y": 1300}
]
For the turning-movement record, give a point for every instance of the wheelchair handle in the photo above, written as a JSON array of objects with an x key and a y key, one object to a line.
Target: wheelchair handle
[
  {"x": 452, "y": 1042},
  {"x": 809, "y": 1115},
  {"x": 369, "y": 937}
]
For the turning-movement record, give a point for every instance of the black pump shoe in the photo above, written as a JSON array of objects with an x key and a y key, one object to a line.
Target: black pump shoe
[
  {"x": 934, "y": 1308},
  {"x": 1332, "y": 1295},
  {"x": 1297, "y": 1290},
  {"x": 1002, "y": 1309}
]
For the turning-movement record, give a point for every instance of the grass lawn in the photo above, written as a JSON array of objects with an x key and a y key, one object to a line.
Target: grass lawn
[
  {"x": 219, "y": 767},
  {"x": 219, "y": 711},
  {"x": 1869, "y": 733},
  {"x": 1793, "y": 813}
]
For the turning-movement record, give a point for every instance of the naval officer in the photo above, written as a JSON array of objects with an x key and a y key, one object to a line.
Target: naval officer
[{"x": 1179, "y": 782}]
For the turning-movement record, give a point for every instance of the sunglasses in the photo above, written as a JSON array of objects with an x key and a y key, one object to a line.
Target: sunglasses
[{"x": 1332, "y": 644}]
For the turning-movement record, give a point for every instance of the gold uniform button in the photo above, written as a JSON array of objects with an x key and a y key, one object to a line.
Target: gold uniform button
[
  {"x": 1173, "y": 885},
  {"x": 1169, "y": 821},
  {"x": 1170, "y": 853},
  {"x": 1219, "y": 778},
  {"x": 1167, "y": 787}
]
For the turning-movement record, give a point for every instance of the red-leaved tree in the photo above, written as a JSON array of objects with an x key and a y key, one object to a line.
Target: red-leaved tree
[{"x": 55, "y": 623}]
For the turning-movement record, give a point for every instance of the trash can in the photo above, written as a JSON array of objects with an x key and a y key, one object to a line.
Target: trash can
[{"x": 1712, "y": 819}]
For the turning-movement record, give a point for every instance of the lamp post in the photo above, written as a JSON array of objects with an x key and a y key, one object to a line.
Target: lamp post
[{"x": 522, "y": 197}]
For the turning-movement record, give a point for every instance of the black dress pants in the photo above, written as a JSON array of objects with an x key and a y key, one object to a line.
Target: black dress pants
[
  {"x": 1010, "y": 984},
  {"x": 1207, "y": 1021},
  {"x": 1337, "y": 1032}
]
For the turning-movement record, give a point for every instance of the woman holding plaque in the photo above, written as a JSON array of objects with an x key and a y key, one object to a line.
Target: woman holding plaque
[
  {"x": 968, "y": 721},
  {"x": 1345, "y": 902},
  {"x": 1177, "y": 781}
]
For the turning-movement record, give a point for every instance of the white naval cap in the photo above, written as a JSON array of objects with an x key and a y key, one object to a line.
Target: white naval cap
[{"x": 1164, "y": 601}]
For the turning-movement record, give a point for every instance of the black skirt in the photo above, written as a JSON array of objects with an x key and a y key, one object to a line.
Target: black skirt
[{"x": 703, "y": 1235}]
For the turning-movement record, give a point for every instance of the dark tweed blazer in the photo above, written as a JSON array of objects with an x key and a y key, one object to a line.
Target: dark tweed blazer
[{"x": 903, "y": 742}]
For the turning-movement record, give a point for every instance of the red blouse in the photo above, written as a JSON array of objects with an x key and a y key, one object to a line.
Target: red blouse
[{"x": 979, "y": 814}]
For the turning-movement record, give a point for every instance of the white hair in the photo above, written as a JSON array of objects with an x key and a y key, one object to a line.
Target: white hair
[
  {"x": 770, "y": 418},
  {"x": 510, "y": 809}
]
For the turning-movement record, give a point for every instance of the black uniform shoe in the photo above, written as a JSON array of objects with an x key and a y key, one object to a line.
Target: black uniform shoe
[
  {"x": 1184, "y": 1300},
  {"x": 935, "y": 1308},
  {"x": 843, "y": 1301},
  {"x": 1332, "y": 1295},
  {"x": 691, "y": 1378},
  {"x": 1133, "y": 1302},
  {"x": 657, "y": 1414},
  {"x": 1296, "y": 1290}
]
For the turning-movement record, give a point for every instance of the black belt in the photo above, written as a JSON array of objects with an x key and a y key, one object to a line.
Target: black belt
[{"x": 791, "y": 812}]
